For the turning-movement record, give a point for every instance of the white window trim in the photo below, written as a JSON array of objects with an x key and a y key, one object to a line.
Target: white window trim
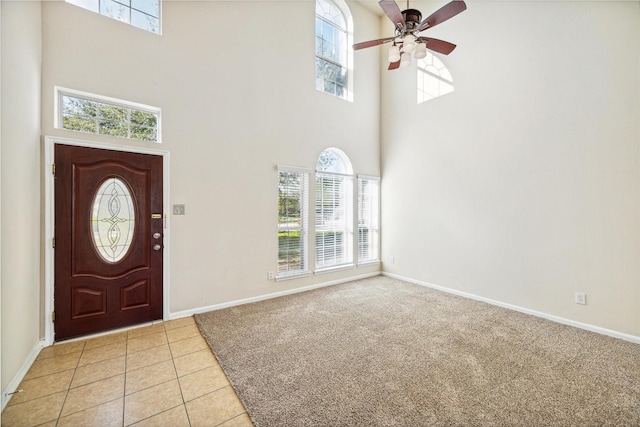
[
  {"x": 311, "y": 231},
  {"x": 159, "y": 33},
  {"x": 357, "y": 245},
  {"x": 352, "y": 211},
  {"x": 57, "y": 110},
  {"x": 306, "y": 271},
  {"x": 346, "y": 12},
  {"x": 333, "y": 268}
]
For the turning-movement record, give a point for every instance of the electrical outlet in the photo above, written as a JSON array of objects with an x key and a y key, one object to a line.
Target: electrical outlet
[
  {"x": 581, "y": 298},
  {"x": 393, "y": 260},
  {"x": 270, "y": 275}
]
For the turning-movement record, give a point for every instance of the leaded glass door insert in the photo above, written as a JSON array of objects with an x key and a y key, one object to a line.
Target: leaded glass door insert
[{"x": 113, "y": 220}]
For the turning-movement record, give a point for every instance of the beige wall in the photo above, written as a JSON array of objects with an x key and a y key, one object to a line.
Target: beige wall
[
  {"x": 20, "y": 285},
  {"x": 523, "y": 186},
  {"x": 235, "y": 81}
]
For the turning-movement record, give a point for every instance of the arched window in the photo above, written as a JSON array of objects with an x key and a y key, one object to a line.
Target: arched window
[
  {"x": 434, "y": 79},
  {"x": 333, "y": 56},
  {"x": 334, "y": 209}
]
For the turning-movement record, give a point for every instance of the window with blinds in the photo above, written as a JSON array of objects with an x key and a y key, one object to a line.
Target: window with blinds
[
  {"x": 334, "y": 210},
  {"x": 368, "y": 219},
  {"x": 293, "y": 189}
]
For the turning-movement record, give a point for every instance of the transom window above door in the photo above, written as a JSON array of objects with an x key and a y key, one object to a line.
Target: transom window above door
[{"x": 83, "y": 112}]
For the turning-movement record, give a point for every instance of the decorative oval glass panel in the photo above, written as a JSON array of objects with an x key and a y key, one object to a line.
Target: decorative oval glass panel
[{"x": 113, "y": 220}]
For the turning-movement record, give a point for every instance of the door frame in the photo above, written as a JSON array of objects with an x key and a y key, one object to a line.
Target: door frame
[{"x": 49, "y": 221}]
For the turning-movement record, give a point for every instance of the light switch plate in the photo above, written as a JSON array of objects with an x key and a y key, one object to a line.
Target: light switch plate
[{"x": 178, "y": 210}]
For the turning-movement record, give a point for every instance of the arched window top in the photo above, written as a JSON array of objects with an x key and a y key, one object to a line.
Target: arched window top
[
  {"x": 331, "y": 12},
  {"x": 334, "y": 160},
  {"x": 434, "y": 79}
]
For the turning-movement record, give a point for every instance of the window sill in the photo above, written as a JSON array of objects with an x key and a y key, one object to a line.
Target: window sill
[
  {"x": 293, "y": 276},
  {"x": 334, "y": 268},
  {"x": 368, "y": 263}
]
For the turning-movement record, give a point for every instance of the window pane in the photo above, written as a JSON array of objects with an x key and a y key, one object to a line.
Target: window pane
[
  {"x": 79, "y": 107},
  {"x": 113, "y": 120},
  {"x": 150, "y": 7},
  {"x": 329, "y": 11},
  {"x": 87, "y": 115},
  {"x": 115, "y": 10},
  {"x": 144, "y": 21},
  {"x": 368, "y": 219},
  {"x": 330, "y": 248},
  {"x": 333, "y": 77},
  {"x": 143, "y": 133},
  {"x": 143, "y": 118},
  {"x": 292, "y": 222},
  {"x": 80, "y": 124}
]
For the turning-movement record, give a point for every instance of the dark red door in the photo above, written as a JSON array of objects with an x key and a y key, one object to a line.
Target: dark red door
[{"x": 108, "y": 240}]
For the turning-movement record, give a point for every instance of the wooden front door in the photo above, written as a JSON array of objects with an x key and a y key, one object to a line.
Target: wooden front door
[{"x": 108, "y": 240}]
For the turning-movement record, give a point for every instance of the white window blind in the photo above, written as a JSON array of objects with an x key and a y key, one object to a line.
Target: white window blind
[
  {"x": 334, "y": 219},
  {"x": 368, "y": 219},
  {"x": 293, "y": 196}
]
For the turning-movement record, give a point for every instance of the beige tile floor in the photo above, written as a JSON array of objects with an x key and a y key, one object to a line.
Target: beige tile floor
[{"x": 158, "y": 375}]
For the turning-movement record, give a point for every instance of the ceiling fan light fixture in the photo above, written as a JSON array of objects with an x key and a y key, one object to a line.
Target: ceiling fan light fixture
[
  {"x": 405, "y": 60},
  {"x": 408, "y": 26},
  {"x": 394, "y": 53},
  {"x": 409, "y": 43},
  {"x": 421, "y": 51}
]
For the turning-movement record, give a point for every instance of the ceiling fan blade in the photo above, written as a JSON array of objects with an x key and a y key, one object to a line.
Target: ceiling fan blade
[
  {"x": 394, "y": 65},
  {"x": 439, "y": 16},
  {"x": 371, "y": 43},
  {"x": 392, "y": 10},
  {"x": 436, "y": 45}
]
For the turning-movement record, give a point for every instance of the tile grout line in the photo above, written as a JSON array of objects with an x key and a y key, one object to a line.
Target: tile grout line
[
  {"x": 173, "y": 362},
  {"x": 66, "y": 396},
  {"x": 124, "y": 386}
]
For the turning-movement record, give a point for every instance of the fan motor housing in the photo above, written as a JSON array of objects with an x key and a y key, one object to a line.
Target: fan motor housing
[{"x": 412, "y": 18}]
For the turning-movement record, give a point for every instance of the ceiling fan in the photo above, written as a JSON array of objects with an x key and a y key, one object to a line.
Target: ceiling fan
[{"x": 408, "y": 25}]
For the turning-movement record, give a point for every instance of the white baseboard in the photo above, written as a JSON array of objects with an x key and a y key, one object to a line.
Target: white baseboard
[
  {"x": 557, "y": 319},
  {"x": 191, "y": 312},
  {"x": 12, "y": 387}
]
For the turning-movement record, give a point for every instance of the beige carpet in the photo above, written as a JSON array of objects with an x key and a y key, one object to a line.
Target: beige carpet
[{"x": 381, "y": 352}]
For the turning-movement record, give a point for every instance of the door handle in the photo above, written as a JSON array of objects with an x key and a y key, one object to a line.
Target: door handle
[
  {"x": 157, "y": 247},
  {"x": 157, "y": 235}
]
